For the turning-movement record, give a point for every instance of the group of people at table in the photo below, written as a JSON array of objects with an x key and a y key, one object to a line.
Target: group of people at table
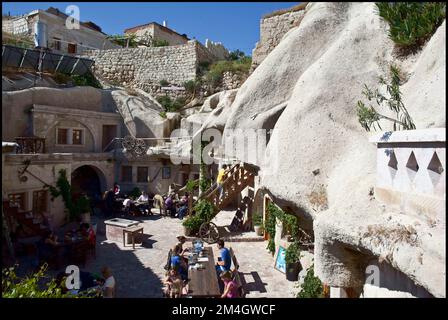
[
  {"x": 176, "y": 280},
  {"x": 115, "y": 201},
  {"x": 50, "y": 245}
]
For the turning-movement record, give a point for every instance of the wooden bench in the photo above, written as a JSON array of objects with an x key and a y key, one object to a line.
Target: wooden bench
[{"x": 236, "y": 274}]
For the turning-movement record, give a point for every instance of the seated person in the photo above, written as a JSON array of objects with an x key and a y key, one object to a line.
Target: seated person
[
  {"x": 150, "y": 202},
  {"x": 169, "y": 205},
  {"x": 183, "y": 206},
  {"x": 143, "y": 202},
  {"x": 230, "y": 286},
  {"x": 174, "y": 284},
  {"x": 224, "y": 261},
  {"x": 178, "y": 262},
  {"x": 108, "y": 287}
]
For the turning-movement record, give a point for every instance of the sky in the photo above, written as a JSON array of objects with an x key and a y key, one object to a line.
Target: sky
[{"x": 235, "y": 24}]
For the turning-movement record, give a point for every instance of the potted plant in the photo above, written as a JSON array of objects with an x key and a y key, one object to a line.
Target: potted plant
[
  {"x": 293, "y": 265},
  {"x": 258, "y": 224},
  {"x": 191, "y": 225}
]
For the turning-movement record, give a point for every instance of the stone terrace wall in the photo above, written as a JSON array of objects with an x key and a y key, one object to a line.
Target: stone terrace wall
[
  {"x": 144, "y": 68},
  {"x": 272, "y": 30}
]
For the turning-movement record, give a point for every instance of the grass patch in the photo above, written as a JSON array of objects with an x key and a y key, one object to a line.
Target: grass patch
[
  {"x": 296, "y": 8},
  {"x": 171, "y": 105},
  {"x": 412, "y": 23}
]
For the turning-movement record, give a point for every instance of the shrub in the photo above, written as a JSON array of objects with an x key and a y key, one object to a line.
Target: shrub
[
  {"x": 257, "y": 219},
  {"x": 169, "y": 105},
  {"x": 204, "y": 213},
  {"x": 369, "y": 117},
  {"x": 162, "y": 114},
  {"x": 124, "y": 40},
  {"x": 164, "y": 83},
  {"x": 193, "y": 223},
  {"x": 87, "y": 79},
  {"x": 64, "y": 189},
  {"x": 135, "y": 193},
  {"x": 412, "y": 23},
  {"x": 311, "y": 286},
  {"x": 292, "y": 254},
  {"x": 160, "y": 43},
  {"x": 205, "y": 210},
  {"x": 191, "y": 185},
  {"x": 192, "y": 86},
  {"x": 215, "y": 74}
]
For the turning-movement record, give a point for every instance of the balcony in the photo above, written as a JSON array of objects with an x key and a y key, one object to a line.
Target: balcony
[{"x": 30, "y": 145}]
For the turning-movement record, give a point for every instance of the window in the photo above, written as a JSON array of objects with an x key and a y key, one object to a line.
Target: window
[
  {"x": 57, "y": 44},
  {"x": 142, "y": 174},
  {"x": 40, "y": 201},
  {"x": 126, "y": 173},
  {"x": 70, "y": 136},
  {"x": 62, "y": 137},
  {"x": 71, "y": 48},
  {"x": 17, "y": 199},
  {"x": 166, "y": 173},
  {"x": 77, "y": 136}
]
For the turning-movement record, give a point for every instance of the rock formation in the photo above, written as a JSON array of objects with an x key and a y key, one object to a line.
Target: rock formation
[{"x": 307, "y": 89}]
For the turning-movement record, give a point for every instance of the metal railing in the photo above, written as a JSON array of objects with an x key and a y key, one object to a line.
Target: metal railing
[{"x": 30, "y": 145}]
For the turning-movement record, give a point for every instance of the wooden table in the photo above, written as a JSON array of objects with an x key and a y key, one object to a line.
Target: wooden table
[
  {"x": 204, "y": 283},
  {"x": 132, "y": 231}
]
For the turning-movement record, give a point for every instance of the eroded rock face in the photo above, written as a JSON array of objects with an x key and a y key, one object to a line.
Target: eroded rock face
[
  {"x": 213, "y": 113},
  {"x": 307, "y": 89}
]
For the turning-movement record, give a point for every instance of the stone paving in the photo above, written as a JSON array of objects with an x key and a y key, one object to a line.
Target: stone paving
[{"x": 139, "y": 273}]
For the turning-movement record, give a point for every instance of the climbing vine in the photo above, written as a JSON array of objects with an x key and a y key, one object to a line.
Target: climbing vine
[
  {"x": 64, "y": 189},
  {"x": 204, "y": 182},
  {"x": 289, "y": 221}
]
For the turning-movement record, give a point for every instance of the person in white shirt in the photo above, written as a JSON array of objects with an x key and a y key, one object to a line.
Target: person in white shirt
[
  {"x": 109, "y": 283},
  {"x": 143, "y": 203},
  {"x": 143, "y": 197}
]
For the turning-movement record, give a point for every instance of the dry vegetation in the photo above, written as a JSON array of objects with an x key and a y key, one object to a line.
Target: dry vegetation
[
  {"x": 298, "y": 7},
  {"x": 318, "y": 199},
  {"x": 381, "y": 234}
]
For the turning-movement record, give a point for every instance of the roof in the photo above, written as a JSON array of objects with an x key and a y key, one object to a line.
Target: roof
[
  {"x": 142, "y": 26},
  {"x": 57, "y": 12}
]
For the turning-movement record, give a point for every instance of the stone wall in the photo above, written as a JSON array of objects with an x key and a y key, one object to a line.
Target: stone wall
[
  {"x": 272, "y": 30},
  {"x": 144, "y": 68},
  {"x": 217, "y": 49},
  {"x": 232, "y": 80}
]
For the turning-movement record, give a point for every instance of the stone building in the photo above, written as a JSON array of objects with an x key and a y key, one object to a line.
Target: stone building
[
  {"x": 80, "y": 130},
  {"x": 53, "y": 31},
  {"x": 156, "y": 32}
]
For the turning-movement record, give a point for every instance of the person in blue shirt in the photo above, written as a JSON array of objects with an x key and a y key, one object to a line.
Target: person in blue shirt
[
  {"x": 179, "y": 263},
  {"x": 224, "y": 261}
]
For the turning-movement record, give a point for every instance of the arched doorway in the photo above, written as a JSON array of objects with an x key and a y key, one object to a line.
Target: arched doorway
[{"x": 89, "y": 180}]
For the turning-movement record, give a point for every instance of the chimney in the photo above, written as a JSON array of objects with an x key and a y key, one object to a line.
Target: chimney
[{"x": 164, "y": 23}]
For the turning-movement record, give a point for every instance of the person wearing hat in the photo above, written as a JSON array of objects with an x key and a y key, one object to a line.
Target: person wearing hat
[
  {"x": 230, "y": 286},
  {"x": 182, "y": 241}
]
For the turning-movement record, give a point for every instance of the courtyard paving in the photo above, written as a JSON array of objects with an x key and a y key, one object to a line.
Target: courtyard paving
[{"x": 139, "y": 273}]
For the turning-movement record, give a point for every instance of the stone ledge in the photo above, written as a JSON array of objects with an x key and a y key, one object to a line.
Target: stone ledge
[{"x": 236, "y": 239}]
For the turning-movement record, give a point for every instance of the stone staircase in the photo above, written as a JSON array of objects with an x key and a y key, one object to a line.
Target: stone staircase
[{"x": 238, "y": 178}]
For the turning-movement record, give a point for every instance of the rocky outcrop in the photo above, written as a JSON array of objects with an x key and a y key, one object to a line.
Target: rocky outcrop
[
  {"x": 306, "y": 90},
  {"x": 213, "y": 113}
]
